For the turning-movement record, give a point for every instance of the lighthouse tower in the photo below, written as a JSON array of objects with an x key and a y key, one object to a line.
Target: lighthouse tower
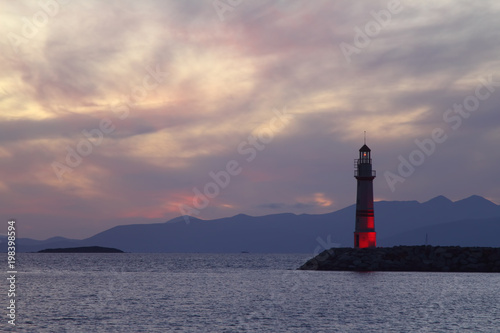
[{"x": 364, "y": 234}]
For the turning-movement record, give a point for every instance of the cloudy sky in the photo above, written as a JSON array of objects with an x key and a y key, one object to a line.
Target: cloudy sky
[{"x": 118, "y": 112}]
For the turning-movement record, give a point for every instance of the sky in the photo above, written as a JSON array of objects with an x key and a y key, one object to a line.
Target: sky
[{"x": 120, "y": 112}]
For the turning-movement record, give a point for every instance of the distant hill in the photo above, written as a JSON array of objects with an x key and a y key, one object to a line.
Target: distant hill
[
  {"x": 473, "y": 221},
  {"x": 474, "y": 232}
]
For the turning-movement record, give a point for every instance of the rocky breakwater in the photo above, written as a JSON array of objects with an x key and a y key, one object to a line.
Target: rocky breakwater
[{"x": 408, "y": 258}]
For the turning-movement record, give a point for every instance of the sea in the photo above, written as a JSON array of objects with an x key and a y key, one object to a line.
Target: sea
[{"x": 244, "y": 292}]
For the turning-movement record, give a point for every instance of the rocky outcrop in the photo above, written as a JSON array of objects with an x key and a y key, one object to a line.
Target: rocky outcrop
[
  {"x": 85, "y": 249},
  {"x": 408, "y": 258}
]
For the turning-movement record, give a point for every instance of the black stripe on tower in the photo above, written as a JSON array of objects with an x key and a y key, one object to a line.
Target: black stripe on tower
[{"x": 368, "y": 213}]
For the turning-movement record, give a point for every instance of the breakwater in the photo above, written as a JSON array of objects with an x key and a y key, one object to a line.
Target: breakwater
[{"x": 408, "y": 258}]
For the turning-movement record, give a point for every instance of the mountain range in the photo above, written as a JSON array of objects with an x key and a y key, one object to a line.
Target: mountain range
[{"x": 473, "y": 221}]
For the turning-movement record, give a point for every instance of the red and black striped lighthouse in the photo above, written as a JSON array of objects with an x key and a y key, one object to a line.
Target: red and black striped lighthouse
[{"x": 364, "y": 234}]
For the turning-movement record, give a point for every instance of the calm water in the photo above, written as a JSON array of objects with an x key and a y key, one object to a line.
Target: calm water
[{"x": 241, "y": 293}]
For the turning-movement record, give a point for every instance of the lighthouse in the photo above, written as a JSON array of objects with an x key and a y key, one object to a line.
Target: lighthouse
[{"x": 364, "y": 233}]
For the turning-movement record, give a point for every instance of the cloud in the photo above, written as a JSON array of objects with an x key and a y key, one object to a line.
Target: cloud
[{"x": 221, "y": 81}]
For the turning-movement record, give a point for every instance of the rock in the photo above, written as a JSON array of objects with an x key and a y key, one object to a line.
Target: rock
[
  {"x": 84, "y": 249},
  {"x": 409, "y": 258}
]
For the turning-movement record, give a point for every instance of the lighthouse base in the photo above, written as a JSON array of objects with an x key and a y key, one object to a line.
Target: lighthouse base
[{"x": 365, "y": 239}]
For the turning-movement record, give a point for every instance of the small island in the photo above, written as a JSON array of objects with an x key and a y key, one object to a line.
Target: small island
[
  {"x": 84, "y": 249},
  {"x": 408, "y": 258}
]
